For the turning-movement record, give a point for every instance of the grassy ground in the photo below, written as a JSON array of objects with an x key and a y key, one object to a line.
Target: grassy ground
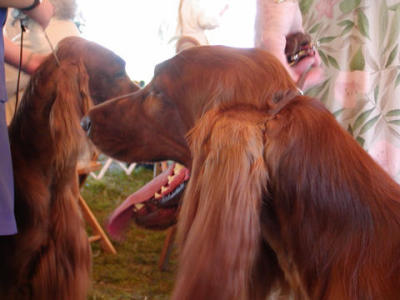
[{"x": 133, "y": 272}]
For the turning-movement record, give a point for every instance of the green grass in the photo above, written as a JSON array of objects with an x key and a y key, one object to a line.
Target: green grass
[{"x": 133, "y": 272}]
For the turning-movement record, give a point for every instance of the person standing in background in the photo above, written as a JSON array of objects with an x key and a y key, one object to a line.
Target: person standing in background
[
  {"x": 41, "y": 11},
  {"x": 195, "y": 17},
  {"x": 61, "y": 25}
]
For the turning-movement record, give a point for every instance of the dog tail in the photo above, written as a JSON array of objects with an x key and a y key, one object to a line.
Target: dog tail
[{"x": 219, "y": 223}]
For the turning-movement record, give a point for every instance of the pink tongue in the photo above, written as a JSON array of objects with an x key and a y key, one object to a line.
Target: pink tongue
[{"x": 122, "y": 215}]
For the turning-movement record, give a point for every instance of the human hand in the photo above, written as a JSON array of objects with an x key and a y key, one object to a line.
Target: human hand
[
  {"x": 42, "y": 13},
  {"x": 33, "y": 61},
  {"x": 30, "y": 60},
  {"x": 275, "y": 21}
]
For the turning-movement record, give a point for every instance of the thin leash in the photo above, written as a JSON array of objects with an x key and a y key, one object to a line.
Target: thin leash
[
  {"x": 23, "y": 29},
  {"x": 299, "y": 84},
  {"x": 122, "y": 96},
  {"x": 23, "y": 21},
  {"x": 52, "y": 48},
  {"x": 58, "y": 64},
  {"x": 54, "y": 53},
  {"x": 289, "y": 95}
]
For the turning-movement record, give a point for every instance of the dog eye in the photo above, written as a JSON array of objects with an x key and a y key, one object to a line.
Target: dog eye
[{"x": 156, "y": 93}]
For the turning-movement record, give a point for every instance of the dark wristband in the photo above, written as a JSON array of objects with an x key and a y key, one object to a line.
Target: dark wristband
[{"x": 30, "y": 7}]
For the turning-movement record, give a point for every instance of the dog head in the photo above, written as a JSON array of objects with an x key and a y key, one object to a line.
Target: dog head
[
  {"x": 106, "y": 70},
  {"x": 152, "y": 125}
]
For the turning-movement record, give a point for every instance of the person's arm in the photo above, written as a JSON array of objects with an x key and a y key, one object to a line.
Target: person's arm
[
  {"x": 275, "y": 20},
  {"x": 41, "y": 10},
  {"x": 16, "y": 3},
  {"x": 30, "y": 60}
]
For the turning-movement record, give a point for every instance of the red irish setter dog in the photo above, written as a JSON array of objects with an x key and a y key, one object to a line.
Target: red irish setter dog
[
  {"x": 281, "y": 200},
  {"x": 50, "y": 258}
]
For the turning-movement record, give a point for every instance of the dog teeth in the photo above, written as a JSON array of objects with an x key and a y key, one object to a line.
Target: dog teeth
[
  {"x": 177, "y": 168},
  {"x": 175, "y": 172},
  {"x": 138, "y": 206}
]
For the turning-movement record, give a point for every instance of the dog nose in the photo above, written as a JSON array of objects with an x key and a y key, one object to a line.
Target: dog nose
[{"x": 86, "y": 124}]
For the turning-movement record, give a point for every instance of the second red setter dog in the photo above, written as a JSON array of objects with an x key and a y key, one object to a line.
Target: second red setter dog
[
  {"x": 281, "y": 199},
  {"x": 49, "y": 258}
]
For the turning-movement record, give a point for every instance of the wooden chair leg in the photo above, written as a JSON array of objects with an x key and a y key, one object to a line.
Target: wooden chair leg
[
  {"x": 169, "y": 239},
  {"x": 99, "y": 233},
  {"x": 164, "y": 166},
  {"x": 167, "y": 248}
]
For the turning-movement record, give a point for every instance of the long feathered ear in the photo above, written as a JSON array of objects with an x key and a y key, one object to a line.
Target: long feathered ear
[
  {"x": 219, "y": 223},
  {"x": 83, "y": 80},
  {"x": 71, "y": 102}
]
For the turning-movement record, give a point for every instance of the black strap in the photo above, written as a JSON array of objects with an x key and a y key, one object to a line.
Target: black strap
[
  {"x": 23, "y": 29},
  {"x": 32, "y": 6}
]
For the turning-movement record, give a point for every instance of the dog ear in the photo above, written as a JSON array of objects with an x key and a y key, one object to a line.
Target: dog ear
[
  {"x": 72, "y": 101},
  {"x": 219, "y": 228},
  {"x": 83, "y": 81}
]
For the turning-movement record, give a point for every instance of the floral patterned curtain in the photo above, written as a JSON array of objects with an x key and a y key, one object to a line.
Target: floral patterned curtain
[{"x": 359, "y": 46}]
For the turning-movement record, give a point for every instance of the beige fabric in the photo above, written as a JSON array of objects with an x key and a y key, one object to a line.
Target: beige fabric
[
  {"x": 34, "y": 40},
  {"x": 197, "y": 16},
  {"x": 359, "y": 46}
]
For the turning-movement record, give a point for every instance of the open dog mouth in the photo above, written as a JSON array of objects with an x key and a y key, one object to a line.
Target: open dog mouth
[
  {"x": 154, "y": 206},
  {"x": 306, "y": 50}
]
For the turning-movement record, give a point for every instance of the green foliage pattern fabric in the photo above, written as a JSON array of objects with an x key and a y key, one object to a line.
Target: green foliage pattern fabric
[{"x": 358, "y": 41}]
